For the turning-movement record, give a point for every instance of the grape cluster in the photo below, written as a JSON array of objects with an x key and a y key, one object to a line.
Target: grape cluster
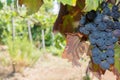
[{"x": 103, "y": 31}]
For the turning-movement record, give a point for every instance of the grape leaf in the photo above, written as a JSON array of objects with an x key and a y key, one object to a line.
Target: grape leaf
[
  {"x": 68, "y": 17},
  {"x": 32, "y": 5},
  {"x": 1, "y": 5},
  {"x": 108, "y": 74},
  {"x": 75, "y": 48},
  {"x": 91, "y": 5},
  {"x": 9, "y": 2},
  {"x": 69, "y": 2}
]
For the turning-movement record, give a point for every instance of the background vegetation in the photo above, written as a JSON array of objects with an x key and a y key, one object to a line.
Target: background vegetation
[{"x": 27, "y": 37}]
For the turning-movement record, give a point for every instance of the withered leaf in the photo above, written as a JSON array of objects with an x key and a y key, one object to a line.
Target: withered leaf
[
  {"x": 68, "y": 17},
  {"x": 75, "y": 48}
]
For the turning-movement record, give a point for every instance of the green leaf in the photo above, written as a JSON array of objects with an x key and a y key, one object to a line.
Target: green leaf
[
  {"x": 9, "y": 2},
  {"x": 91, "y": 5},
  {"x": 1, "y": 5},
  {"x": 32, "y": 5},
  {"x": 69, "y": 2}
]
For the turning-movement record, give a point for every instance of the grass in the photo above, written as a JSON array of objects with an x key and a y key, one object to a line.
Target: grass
[
  {"x": 117, "y": 57},
  {"x": 23, "y": 52}
]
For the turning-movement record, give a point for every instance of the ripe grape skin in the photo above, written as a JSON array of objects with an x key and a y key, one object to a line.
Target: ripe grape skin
[
  {"x": 115, "y": 8},
  {"x": 99, "y": 18},
  {"x": 110, "y": 60},
  {"x": 100, "y": 42},
  {"x": 83, "y": 30},
  {"x": 83, "y": 20},
  {"x": 116, "y": 25},
  {"x": 90, "y": 16},
  {"x": 96, "y": 59},
  {"x": 95, "y": 34},
  {"x": 95, "y": 52},
  {"x": 92, "y": 40},
  {"x": 110, "y": 52},
  {"x": 114, "y": 39},
  {"x": 104, "y": 4},
  {"x": 116, "y": 33},
  {"x": 106, "y": 11},
  {"x": 103, "y": 56},
  {"x": 110, "y": 46},
  {"x": 102, "y": 26},
  {"x": 104, "y": 65},
  {"x": 115, "y": 15},
  {"x": 90, "y": 27}
]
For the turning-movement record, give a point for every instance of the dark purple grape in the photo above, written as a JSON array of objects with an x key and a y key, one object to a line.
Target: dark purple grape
[
  {"x": 104, "y": 65},
  {"x": 102, "y": 26},
  {"x": 110, "y": 52},
  {"x": 90, "y": 16},
  {"x": 110, "y": 60},
  {"x": 99, "y": 18},
  {"x": 116, "y": 33},
  {"x": 115, "y": 8},
  {"x": 96, "y": 60},
  {"x": 83, "y": 30},
  {"x": 95, "y": 52},
  {"x": 104, "y": 4},
  {"x": 90, "y": 27},
  {"x": 100, "y": 42},
  {"x": 83, "y": 20},
  {"x": 106, "y": 11},
  {"x": 103, "y": 56}
]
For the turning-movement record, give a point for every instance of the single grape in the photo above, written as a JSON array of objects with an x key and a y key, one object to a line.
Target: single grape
[
  {"x": 90, "y": 16},
  {"x": 90, "y": 27},
  {"x": 110, "y": 60},
  {"x": 95, "y": 34},
  {"x": 92, "y": 40},
  {"x": 116, "y": 33},
  {"x": 95, "y": 52},
  {"x": 114, "y": 39},
  {"x": 115, "y": 8},
  {"x": 83, "y": 20},
  {"x": 83, "y": 30},
  {"x": 103, "y": 56},
  {"x": 100, "y": 42},
  {"x": 106, "y": 11},
  {"x": 96, "y": 60},
  {"x": 102, "y": 26},
  {"x": 104, "y": 4},
  {"x": 110, "y": 46},
  {"x": 104, "y": 65},
  {"x": 115, "y": 15},
  {"x": 110, "y": 52},
  {"x": 99, "y": 18}
]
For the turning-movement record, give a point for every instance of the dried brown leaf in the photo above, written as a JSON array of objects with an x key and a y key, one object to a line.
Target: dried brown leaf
[
  {"x": 75, "y": 48},
  {"x": 109, "y": 76}
]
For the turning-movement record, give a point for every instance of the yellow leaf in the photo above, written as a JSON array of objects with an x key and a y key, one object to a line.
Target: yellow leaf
[
  {"x": 32, "y": 5},
  {"x": 73, "y": 2}
]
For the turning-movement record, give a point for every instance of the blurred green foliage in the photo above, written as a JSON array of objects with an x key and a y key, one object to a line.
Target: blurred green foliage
[
  {"x": 117, "y": 56},
  {"x": 20, "y": 48}
]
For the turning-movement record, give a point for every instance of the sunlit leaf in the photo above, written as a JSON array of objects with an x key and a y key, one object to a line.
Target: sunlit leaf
[
  {"x": 9, "y": 2},
  {"x": 1, "y": 5},
  {"x": 32, "y": 5},
  {"x": 75, "y": 48},
  {"x": 69, "y": 2},
  {"x": 91, "y": 5}
]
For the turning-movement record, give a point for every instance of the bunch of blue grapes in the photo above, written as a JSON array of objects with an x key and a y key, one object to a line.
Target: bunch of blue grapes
[{"x": 103, "y": 30}]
